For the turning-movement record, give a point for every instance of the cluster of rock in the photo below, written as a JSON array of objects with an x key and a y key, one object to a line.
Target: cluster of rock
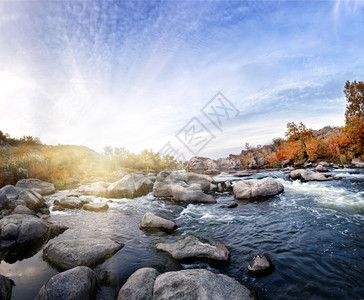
[
  {"x": 27, "y": 193},
  {"x": 210, "y": 166},
  {"x": 130, "y": 186},
  {"x": 183, "y": 186}
]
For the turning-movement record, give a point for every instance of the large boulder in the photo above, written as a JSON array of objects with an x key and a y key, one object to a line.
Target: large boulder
[
  {"x": 357, "y": 163},
  {"x": 8, "y": 196},
  {"x": 183, "y": 186},
  {"x": 77, "y": 283},
  {"x": 98, "y": 189},
  {"x": 32, "y": 199},
  {"x": 21, "y": 228},
  {"x": 67, "y": 254},
  {"x": 199, "y": 284},
  {"x": 203, "y": 165},
  {"x": 42, "y": 187},
  {"x": 6, "y": 287},
  {"x": 191, "y": 248},
  {"x": 191, "y": 194},
  {"x": 151, "y": 221},
  {"x": 130, "y": 186},
  {"x": 306, "y": 175},
  {"x": 139, "y": 285},
  {"x": 253, "y": 188}
]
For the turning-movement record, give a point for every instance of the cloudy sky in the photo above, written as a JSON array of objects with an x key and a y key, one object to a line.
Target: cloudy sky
[{"x": 133, "y": 74}]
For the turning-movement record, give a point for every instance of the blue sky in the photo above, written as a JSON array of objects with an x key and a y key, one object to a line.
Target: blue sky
[{"x": 134, "y": 73}]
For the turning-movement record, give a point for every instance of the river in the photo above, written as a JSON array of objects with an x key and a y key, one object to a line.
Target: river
[{"x": 313, "y": 233}]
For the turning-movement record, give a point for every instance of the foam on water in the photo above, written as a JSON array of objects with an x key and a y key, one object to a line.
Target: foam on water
[{"x": 327, "y": 195}]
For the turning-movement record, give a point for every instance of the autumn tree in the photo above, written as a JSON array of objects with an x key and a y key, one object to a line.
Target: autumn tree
[{"x": 354, "y": 115}]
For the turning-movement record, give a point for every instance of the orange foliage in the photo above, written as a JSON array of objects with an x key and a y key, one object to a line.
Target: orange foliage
[
  {"x": 290, "y": 150},
  {"x": 38, "y": 171}
]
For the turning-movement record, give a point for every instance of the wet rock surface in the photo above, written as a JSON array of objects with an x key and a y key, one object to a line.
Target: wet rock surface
[
  {"x": 199, "y": 284},
  {"x": 77, "y": 283},
  {"x": 66, "y": 254},
  {"x": 151, "y": 221},
  {"x": 139, "y": 285},
  {"x": 191, "y": 248},
  {"x": 260, "y": 265}
]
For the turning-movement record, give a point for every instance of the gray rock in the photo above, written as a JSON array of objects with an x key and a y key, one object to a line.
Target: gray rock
[
  {"x": 139, "y": 285},
  {"x": 8, "y": 196},
  {"x": 66, "y": 254},
  {"x": 257, "y": 188},
  {"x": 42, "y": 187},
  {"x": 77, "y": 283},
  {"x": 151, "y": 221},
  {"x": 306, "y": 175},
  {"x": 70, "y": 203},
  {"x": 191, "y": 248},
  {"x": 199, "y": 284},
  {"x": 19, "y": 229},
  {"x": 6, "y": 287},
  {"x": 191, "y": 194},
  {"x": 22, "y": 210},
  {"x": 130, "y": 186},
  {"x": 32, "y": 199},
  {"x": 357, "y": 163},
  {"x": 96, "y": 206},
  {"x": 260, "y": 265},
  {"x": 56, "y": 229},
  {"x": 324, "y": 164},
  {"x": 321, "y": 168}
]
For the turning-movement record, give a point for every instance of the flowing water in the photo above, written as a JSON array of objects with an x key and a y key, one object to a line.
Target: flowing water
[{"x": 313, "y": 233}]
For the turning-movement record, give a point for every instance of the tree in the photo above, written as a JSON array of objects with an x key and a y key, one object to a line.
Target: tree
[{"x": 354, "y": 115}]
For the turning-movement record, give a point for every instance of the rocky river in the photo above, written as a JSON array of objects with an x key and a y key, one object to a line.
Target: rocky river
[{"x": 312, "y": 232}]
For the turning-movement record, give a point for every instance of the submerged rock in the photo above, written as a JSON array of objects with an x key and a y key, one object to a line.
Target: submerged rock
[
  {"x": 151, "y": 221},
  {"x": 191, "y": 248},
  {"x": 42, "y": 187},
  {"x": 130, "y": 186},
  {"x": 307, "y": 175},
  {"x": 77, "y": 283},
  {"x": 199, "y": 284},
  {"x": 6, "y": 287},
  {"x": 67, "y": 254},
  {"x": 260, "y": 265},
  {"x": 139, "y": 285},
  {"x": 231, "y": 204},
  {"x": 253, "y": 188},
  {"x": 96, "y": 206}
]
